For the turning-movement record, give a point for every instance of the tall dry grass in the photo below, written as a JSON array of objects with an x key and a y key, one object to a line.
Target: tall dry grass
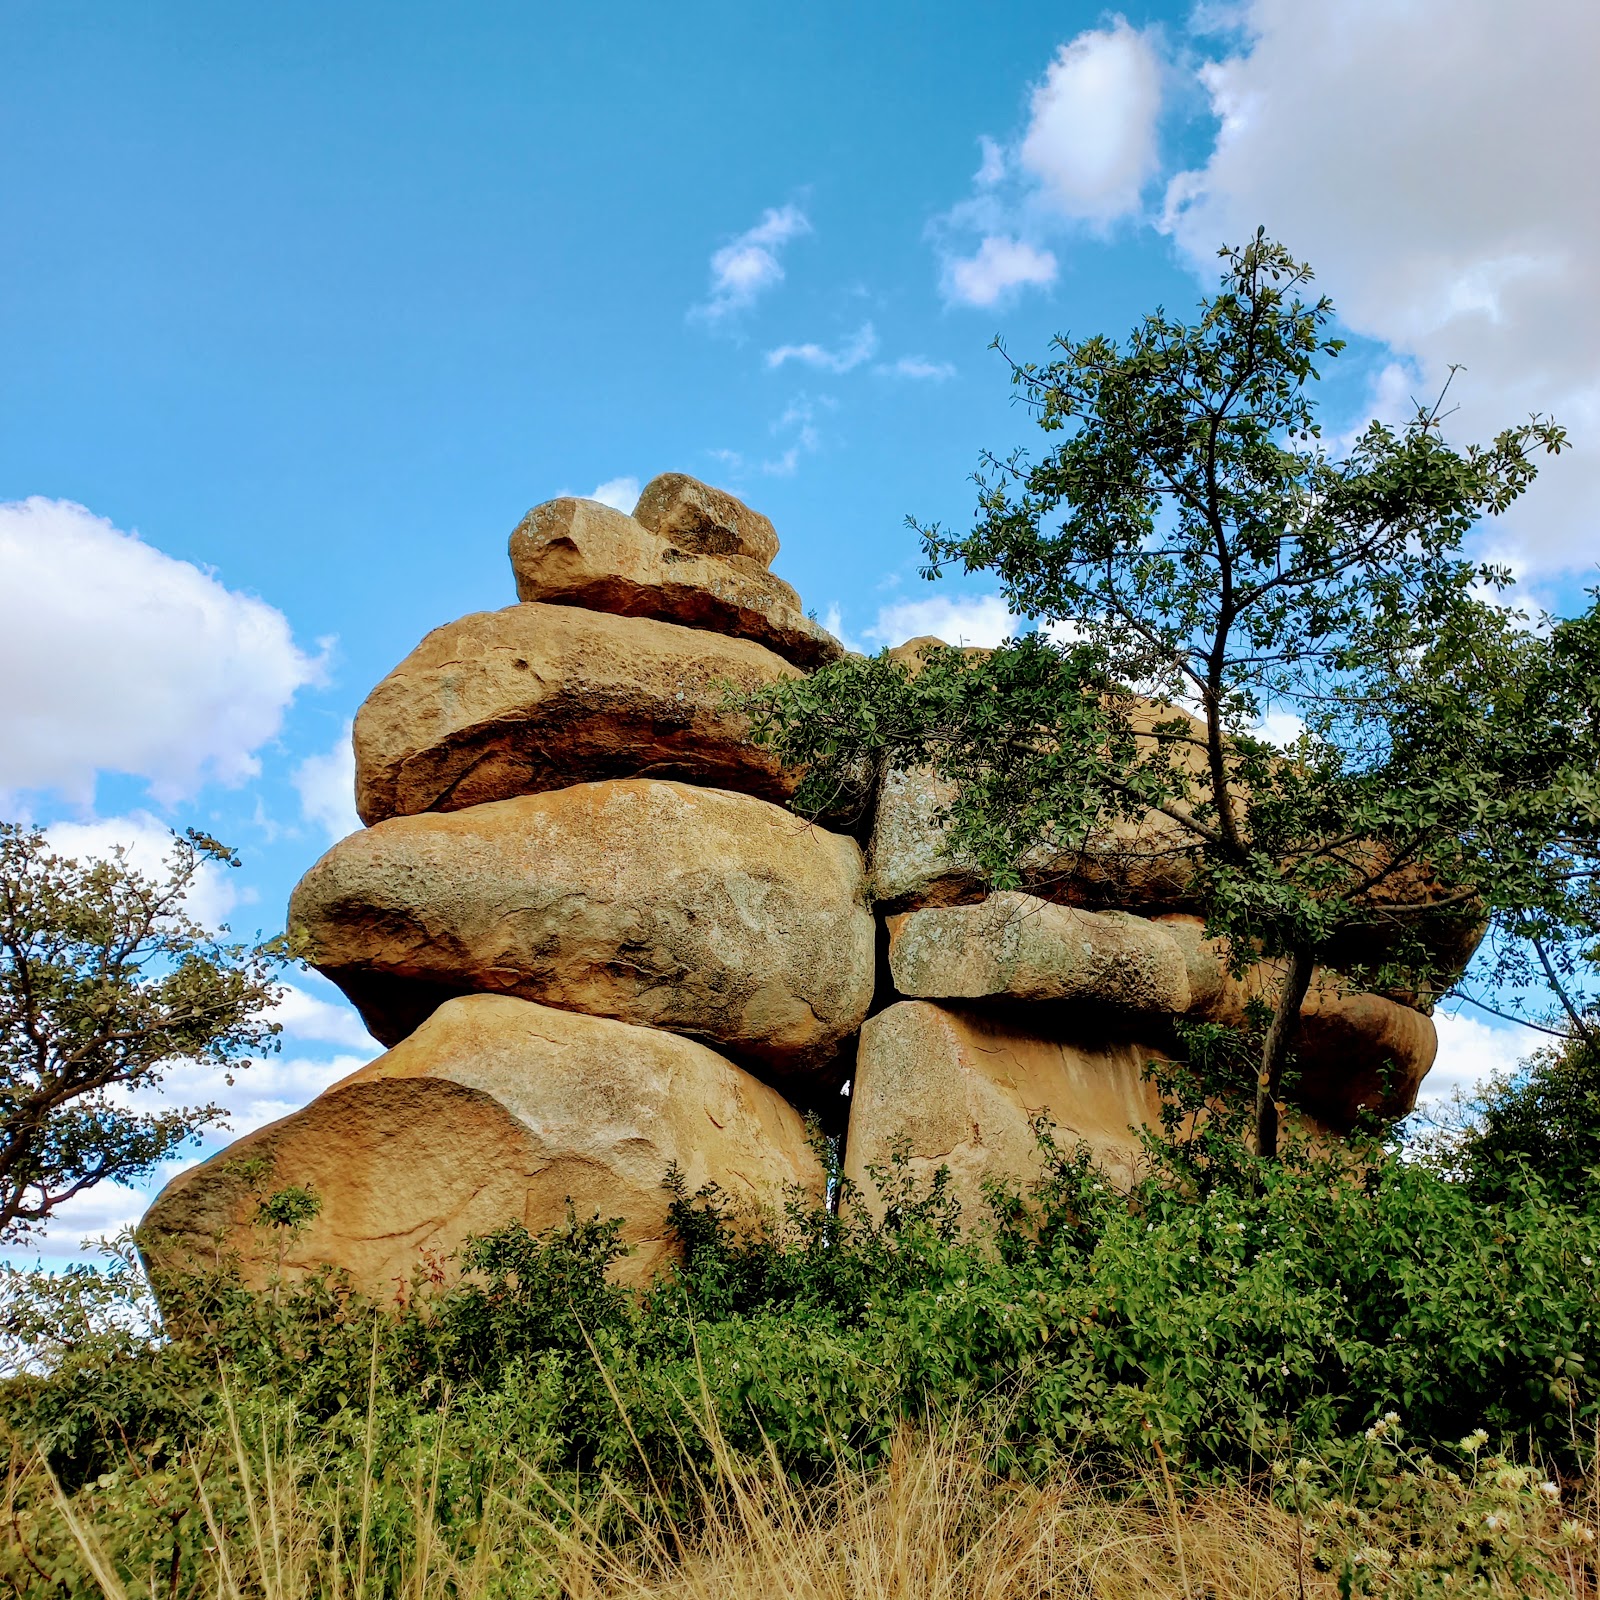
[{"x": 936, "y": 1524}]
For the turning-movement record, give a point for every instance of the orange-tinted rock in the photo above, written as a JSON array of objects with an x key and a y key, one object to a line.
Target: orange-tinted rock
[
  {"x": 703, "y": 520},
  {"x": 710, "y": 914},
  {"x": 962, "y": 1089},
  {"x": 1017, "y": 947},
  {"x": 535, "y": 697},
  {"x": 1357, "y": 1052},
  {"x": 495, "y": 1111},
  {"x": 580, "y": 553}
]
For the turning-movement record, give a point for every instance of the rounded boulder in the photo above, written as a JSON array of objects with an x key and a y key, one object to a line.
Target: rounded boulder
[
  {"x": 710, "y": 914},
  {"x": 495, "y": 1111},
  {"x": 536, "y": 697}
]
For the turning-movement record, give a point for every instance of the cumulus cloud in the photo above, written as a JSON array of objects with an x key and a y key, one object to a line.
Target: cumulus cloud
[
  {"x": 123, "y": 659},
  {"x": 746, "y": 267},
  {"x": 621, "y": 494},
  {"x": 304, "y": 1017},
  {"x": 980, "y": 619},
  {"x": 1000, "y": 266},
  {"x": 992, "y": 166},
  {"x": 1091, "y": 137},
  {"x": 146, "y": 842},
  {"x": 1471, "y": 1051},
  {"x": 327, "y": 786},
  {"x": 1085, "y": 158},
  {"x": 1434, "y": 163},
  {"x": 861, "y": 346}
]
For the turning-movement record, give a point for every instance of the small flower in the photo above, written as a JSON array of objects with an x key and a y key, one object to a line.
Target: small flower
[
  {"x": 1391, "y": 1417},
  {"x": 1494, "y": 1522},
  {"x": 1475, "y": 1441},
  {"x": 1549, "y": 1490},
  {"x": 1576, "y": 1533}
]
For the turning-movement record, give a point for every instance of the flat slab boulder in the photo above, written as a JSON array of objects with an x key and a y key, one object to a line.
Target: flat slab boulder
[
  {"x": 961, "y": 1089},
  {"x": 913, "y": 863},
  {"x": 494, "y": 1111},
  {"x": 705, "y": 521},
  {"x": 581, "y": 553},
  {"x": 535, "y": 697},
  {"x": 1018, "y": 947},
  {"x": 710, "y": 914}
]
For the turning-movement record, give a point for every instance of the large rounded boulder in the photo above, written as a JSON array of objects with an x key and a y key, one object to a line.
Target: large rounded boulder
[
  {"x": 536, "y": 697},
  {"x": 710, "y": 914},
  {"x": 495, "y": 1111}
]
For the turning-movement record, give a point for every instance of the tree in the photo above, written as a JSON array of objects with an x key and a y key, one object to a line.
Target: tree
[
  {"x": 105, "y": 984},
  {"x": 1195, "y": 557}
]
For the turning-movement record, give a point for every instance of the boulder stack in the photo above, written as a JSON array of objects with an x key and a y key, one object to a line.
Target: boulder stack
[{"x": 598, "y": 945}]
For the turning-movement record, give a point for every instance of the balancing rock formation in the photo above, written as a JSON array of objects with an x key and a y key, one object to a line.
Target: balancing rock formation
[{"x": 598, "y": 945}]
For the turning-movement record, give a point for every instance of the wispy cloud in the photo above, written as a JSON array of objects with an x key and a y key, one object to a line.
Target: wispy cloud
[
  {"x": 916, "y": 367},
  {"x": 746, "y": 267},
  {"x": 861, "y": 346}
]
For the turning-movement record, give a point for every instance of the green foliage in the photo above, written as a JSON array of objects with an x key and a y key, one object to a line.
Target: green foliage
[
  {"x": 105, "y": 982},
  {"x": 1232, "y": 1312},
  {"x": 1188, "y": 540},
  {"x": 1542, "y": 1124}
]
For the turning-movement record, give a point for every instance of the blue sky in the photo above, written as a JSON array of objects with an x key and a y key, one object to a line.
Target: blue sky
[{"x": 302, "y": 306}]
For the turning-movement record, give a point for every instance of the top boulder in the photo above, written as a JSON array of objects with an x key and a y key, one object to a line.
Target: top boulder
[{"x": 706, "y": 521}]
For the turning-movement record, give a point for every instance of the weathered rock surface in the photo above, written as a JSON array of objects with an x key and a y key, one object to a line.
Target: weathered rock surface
[
  {"x": 1018, "y": 947},
  {"x": 703, "y": 520},
  {"x": 1145, "y": 868},
  {"x": 710, "y": 914},
  {"x": 1357, "y": 1051},
  {"x": 581, "y": 553},
  {"x": 494, "y": 1111},
  {"x": 912, "y": 865},
  {"x": 536, "y": 697},
  {"x": 962, "y": 1088}
]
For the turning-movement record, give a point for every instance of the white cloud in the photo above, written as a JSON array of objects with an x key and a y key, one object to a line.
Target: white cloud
[
  {"x": 146, "y": 843},
  {"x": 992, "y": 168},
  {"x": 859, "y": 347},
  {"x": 1091, "y": 138},
  {"x": 1002, "y": 265},
  {"x": 621, "y": 494},
  {"x": 916, "y": 367},
  {"x": 799, "y": 422},
  {"x": 327, "y": 785},
  {"x": 1471, "y": 1051},
  {"x": 1434, "y": 162},
  {"x": 1085, "y": 158},
  {"x": 980, "y": 619},
  {"x": 1281, "y": 727},
  {"x": 746, "y": 267},
  {"x": 305, "y": 1017},
  {"x": 132, "y": 662}
]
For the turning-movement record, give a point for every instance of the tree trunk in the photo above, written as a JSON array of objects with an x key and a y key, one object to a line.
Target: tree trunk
[{"x": 1275, "y": 1051}]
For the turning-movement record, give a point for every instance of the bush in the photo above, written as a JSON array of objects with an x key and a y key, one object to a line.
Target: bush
[
  {"x": 1221, "y": 1316},
  {"x": 1541, "y": 1123}
]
